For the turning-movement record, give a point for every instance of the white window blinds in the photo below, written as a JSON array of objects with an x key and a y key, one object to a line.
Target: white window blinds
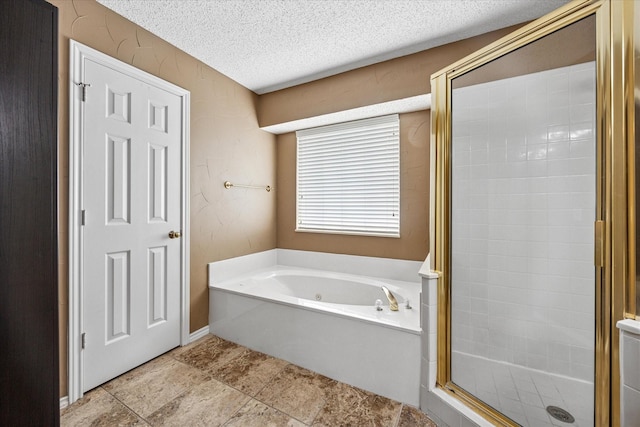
[{"x": 349, "y": 178}]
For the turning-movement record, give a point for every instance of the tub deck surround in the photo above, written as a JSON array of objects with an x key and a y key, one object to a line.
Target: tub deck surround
[
  {"x": 629, "y": 372},
  {"x": 341, "y": 335},
  {"x": 340, "y": 294},
  {"x": 382, "y": 268}
]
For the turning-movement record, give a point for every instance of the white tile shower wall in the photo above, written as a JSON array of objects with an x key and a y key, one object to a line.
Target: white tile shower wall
[{"x": 523, "y": 210}]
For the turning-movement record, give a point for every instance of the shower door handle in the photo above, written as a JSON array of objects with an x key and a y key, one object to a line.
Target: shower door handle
[{"x": 599, "y": 243}]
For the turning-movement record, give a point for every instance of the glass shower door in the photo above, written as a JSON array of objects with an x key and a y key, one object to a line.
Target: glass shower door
[{"x": 522, "y": 183}]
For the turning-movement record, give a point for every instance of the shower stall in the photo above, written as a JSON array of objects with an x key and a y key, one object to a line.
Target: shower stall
[
  {"x": 522, "y": 213},
  {"x": 523, "y": 186}
]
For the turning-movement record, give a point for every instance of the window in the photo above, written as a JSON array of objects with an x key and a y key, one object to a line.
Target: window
[{"x": 349, "y": 178}]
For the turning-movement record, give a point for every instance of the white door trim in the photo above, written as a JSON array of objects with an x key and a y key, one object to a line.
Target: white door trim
[{"x": 78, "y": 53}]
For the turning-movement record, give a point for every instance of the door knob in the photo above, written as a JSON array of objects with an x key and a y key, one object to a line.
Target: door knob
[{"x": 174, "y": 234}]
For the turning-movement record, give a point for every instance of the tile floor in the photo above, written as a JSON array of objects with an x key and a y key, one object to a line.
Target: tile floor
[{"x": 214, "y": 382}]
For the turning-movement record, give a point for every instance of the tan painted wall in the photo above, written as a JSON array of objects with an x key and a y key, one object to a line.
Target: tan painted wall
[
  {"x": 414, "y": 200},
  {"x": 386, "y": 81},
  {"x": 226, "y": 144}
]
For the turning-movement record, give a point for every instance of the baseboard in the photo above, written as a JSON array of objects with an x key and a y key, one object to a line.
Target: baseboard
[
  {"x": 202, "y": 332},
  {"x": 64, "y": 402}
]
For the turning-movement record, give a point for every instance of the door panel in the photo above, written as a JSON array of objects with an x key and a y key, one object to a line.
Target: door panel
[
  {"x": 131, "y": 198},
  {"x": 157, "y": 285}
]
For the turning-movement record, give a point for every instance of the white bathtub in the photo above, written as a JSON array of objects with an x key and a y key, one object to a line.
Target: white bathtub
[{"x": 325, "y": 321}]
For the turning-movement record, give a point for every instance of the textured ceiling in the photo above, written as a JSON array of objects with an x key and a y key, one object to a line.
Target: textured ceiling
[{"x": 267, "y": 45}]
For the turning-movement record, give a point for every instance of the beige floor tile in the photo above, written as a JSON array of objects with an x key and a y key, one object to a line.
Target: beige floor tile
[
  {"x": 249, "y": 372},
  {"x": 297, "y": 392},
  {"x": 98, "y": 408},
  {"x": 413, "y": 417},
  {"x": 209, "y": 404},
  {"x": 211, "y": 354},
  {"x": 351, "y": 406},
  {"x": 257, "y": 414},
  {"x": 182, "y": 349},
  {"x": 147, "y": 388}
]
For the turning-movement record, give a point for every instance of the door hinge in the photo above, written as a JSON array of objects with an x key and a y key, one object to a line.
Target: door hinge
[
  {"x": 598, "y": 240},
  {"x": 82, "y": 216},
  {"x": 84, "y": 340},
  {"x": 83, "y": 88}
]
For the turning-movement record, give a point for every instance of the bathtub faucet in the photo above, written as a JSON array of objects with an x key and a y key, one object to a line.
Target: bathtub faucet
[{"x": 393, "y": 303}]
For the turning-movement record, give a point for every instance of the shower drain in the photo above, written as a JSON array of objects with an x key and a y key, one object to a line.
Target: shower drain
[{"x": 560, "y": 414}]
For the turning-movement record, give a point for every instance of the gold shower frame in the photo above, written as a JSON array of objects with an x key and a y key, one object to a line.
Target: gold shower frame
[{"x": 614, "y": 229}]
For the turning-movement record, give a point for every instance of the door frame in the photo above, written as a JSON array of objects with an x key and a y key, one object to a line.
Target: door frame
[{"x": 78, "y": 53}]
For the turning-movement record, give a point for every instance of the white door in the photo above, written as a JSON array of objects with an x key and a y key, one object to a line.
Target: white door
[{"x": 131, "y": 193}]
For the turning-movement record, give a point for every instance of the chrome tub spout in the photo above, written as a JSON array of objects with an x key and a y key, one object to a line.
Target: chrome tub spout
[{"x": 393, "y": 303}]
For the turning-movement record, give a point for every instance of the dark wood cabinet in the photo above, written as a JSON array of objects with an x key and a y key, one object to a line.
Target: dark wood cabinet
[{"x": 29, "y": 367}]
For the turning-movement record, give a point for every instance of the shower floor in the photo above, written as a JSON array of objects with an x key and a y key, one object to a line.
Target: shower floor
[{"x": 522, "y": 393}]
